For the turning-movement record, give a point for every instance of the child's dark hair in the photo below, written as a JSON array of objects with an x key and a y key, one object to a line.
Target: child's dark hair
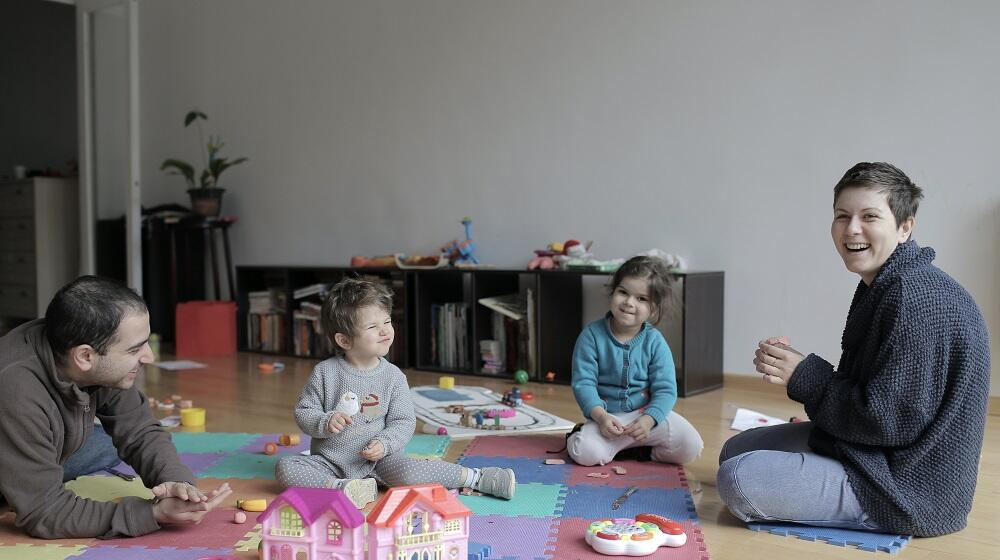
[
  {"x": 661, "y": 282},
  {"x": 345, "y": 300}
]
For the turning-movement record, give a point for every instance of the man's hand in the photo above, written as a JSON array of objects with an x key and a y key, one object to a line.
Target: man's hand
[
  {"x": 776, "y": 359},
  {"x": 181, "y": 490},
  {"x": 374, "y": 451},
  {"x": 338, "y": 422},
  {"x": 640, "y": 427},
  {"x": 610, "y": 427},
  {"x": 174, "y": 510}
]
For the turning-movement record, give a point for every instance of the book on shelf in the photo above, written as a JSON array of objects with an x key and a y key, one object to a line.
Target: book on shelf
[
  {"x": 511, "y": 305},
  {"x": 449, "y": 335},
  {"x": 318, "y": 289}
]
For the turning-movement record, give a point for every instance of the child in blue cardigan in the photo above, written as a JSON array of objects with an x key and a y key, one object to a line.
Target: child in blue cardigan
[{"x": 624, "y": 378}]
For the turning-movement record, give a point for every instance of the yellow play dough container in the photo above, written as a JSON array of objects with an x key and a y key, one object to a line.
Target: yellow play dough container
[{"x": 192, "y": 417}]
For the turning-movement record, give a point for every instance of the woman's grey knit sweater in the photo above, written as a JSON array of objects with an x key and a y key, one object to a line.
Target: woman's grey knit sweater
[{"x": 906, "y": 408}]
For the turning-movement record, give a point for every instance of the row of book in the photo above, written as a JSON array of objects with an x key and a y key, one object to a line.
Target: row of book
[
  {"x": 266, "y": 320},
  {"x": 449, "y": 335},
  {"x": 511, "y": 346}
]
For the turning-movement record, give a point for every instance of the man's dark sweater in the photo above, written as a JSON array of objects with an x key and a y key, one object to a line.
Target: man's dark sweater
[
  {"x": 44, "y": 419},
  {"x": 906, "y": 408}
]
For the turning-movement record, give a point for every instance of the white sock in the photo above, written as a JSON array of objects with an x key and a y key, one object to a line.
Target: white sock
[{"x": 472, "y": 479}]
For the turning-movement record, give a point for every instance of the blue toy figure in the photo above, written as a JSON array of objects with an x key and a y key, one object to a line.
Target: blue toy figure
[{"x": 463, "y": 252}]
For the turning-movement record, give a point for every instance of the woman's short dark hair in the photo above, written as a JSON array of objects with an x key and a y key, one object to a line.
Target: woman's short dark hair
[
  {"x": 88, "y": 311},
  {"x": 903, "y": 196},
  {"x": 344, "y": 302},
  {"x": 661, "y": 282}
]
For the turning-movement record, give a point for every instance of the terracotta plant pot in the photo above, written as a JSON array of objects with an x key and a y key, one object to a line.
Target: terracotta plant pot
[{"x": 206, "y": 201}]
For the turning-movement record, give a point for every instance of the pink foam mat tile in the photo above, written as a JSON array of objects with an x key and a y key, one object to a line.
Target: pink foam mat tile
[
  {"x": 570, "y": 543},
  {"x": 518, "y": 446},
  {"x": 647, "y": 474},
  {"x": 164, "y": 553},
  {"x": 216, "y": 530}
]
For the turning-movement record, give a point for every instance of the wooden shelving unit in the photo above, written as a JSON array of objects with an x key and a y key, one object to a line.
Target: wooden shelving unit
[{"x": 693, "y": 326}]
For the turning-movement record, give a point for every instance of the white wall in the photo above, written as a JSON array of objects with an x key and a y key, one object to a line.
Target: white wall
[
  {"x": 37, "y": 86},
  {"x": 715, "y": 130}
]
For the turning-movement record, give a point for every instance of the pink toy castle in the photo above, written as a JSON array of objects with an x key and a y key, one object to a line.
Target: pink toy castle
[
  {"x": 310, "y": 524},
  {"x": 424, "y": 522}
]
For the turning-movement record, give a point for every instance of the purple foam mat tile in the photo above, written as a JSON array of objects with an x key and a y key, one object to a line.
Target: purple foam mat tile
[
  {"x": 526, "y": 470},
  {"x": 571, "y": 543},
  {"x": 594, "y": 502},
  {"x": 216, "y": 529},
  {"x": 528, "y": 538},
  {"x": 535, "y": 447},
  {"x": 648, "y": 474},
  {"x": 166, "y": 553},
  {"x": 256, "y": 445},
  {"x": 862, "y": 540}
]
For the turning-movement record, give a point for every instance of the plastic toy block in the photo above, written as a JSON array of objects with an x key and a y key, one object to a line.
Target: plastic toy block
[
  {"x": 39, "y": 551},
  {"x": 862, "y": 540}
]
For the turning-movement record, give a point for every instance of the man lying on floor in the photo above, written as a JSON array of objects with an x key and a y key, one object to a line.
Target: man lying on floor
[{"x": 57, "y": 374}]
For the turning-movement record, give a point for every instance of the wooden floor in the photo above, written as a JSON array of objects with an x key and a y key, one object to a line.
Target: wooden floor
[{"x": 241, "y": 399}]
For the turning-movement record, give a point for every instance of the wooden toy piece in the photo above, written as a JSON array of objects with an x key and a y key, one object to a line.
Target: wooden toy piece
[
  {"x": 640, "y": 536},
  {"x": 446, "y": 382},
  {"x": 555, "y": 462},
  {"x": 187, "y": 403},
  {"x": 289, "y": 439},
  {"x": 598, "y": 475},
  {"x": 270, "y": 448},
  {"x": 265, "y": 368},
  {"x": 252, "y": 505},
  {"x": 240, "y": 517},
  {"x": 619, "y": 469},
  {"x": 520, "y": 377}
]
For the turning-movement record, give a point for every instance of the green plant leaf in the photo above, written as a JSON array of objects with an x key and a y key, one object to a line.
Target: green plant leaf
[
  {"x": 206, "y": 177},
  {"x": 219, "y": 165},
  {"x": 179, "y": 167},
  {"x": 193, "y": 116}
]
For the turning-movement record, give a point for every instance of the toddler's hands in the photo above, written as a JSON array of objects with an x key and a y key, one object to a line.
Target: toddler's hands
[
  {"x": 640, "y": 427},
  {"x": 610, "y": 427},
  {"x": 338, "y": 422},
  {"x": 374, "y": 451}
]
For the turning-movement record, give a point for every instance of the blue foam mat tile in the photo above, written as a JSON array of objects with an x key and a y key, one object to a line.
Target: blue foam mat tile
[
  {"x": 862, "y": 540},
  {"x": 594, "y": 502}
]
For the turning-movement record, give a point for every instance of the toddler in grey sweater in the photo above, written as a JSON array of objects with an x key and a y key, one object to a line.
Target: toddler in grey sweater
[{"x": 358, "y": 411}]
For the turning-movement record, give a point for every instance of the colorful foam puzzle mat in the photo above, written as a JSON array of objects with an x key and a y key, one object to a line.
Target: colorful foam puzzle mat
[
  {"x": 862, "y": 540},
  {"x": 546, "y": 519}
]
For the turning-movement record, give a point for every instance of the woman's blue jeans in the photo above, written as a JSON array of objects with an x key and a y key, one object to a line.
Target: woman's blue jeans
[
  {"x": 770, "y": 474},
  {"x": 97, "y": 454}
]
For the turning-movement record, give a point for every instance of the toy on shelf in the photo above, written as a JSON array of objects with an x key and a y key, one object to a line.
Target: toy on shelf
[
  {"x": 423, "y": 521},
  {"x": 513, "y": 398},
  {"x": 640, "y": 536},
  {"x": 381, "y": 261},
  {"x": 312, "y": 523},
  {"x": 550, "y": 376},
  {"x": 462, "y": 253},
  {"x": 421, "y": 262}
]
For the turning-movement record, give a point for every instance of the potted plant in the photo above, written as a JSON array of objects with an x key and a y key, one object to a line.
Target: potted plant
[{"x": 206, "y": 194}]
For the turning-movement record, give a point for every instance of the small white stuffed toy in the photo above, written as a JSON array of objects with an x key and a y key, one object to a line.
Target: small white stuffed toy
[{"x": 348, "y": 404}]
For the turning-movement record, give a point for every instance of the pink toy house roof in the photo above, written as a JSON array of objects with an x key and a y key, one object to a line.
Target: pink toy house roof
[
  {"x": 311, "y": 503},
  {"x": 398, "y": 501}
]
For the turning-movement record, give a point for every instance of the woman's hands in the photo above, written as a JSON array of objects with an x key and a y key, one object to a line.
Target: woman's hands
[{"x": 776, "y": 359}]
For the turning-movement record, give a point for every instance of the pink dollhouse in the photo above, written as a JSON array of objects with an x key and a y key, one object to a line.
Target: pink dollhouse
[
  {"x": 312, "y": 524},
  {"x": 424, "y": 522}
]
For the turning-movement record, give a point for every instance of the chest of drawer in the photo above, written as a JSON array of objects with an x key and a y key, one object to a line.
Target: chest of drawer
[
  {"x": 17, "y": 234},
  {"x": 16, "y": 200},
  {"x": 18, "y": 301},
  {"x": 17, "y": 267}
]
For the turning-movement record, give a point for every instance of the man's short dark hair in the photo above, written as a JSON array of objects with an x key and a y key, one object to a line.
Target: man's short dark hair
[
  {"x": 88, "y": 310},
  {"x": 903, "y": 196}
]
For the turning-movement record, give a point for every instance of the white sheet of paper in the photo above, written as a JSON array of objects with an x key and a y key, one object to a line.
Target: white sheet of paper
[
  {"x": 179, "y": 364},
  {"x": 170, "y": 421},
  {"x": 746, "y": 419}
]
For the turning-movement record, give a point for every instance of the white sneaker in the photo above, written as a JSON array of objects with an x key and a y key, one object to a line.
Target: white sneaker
[
  {"x": 497, "y": 482},
  {"x": 361, "y": 491}
]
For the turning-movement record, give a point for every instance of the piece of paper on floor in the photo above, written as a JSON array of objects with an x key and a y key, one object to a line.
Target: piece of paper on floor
[
  {"x": 170, "y": 421},
  {"x": 746, "y": 419},
  {"x": 179, "y": 364}
]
